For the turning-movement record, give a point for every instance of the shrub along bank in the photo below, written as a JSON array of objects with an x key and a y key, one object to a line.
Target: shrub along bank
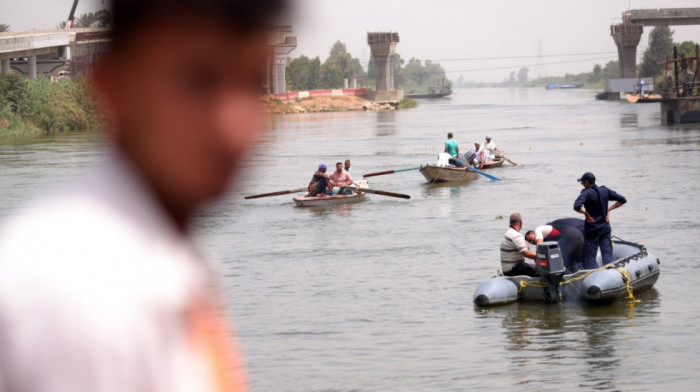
[{"x": 35, "y": 107}]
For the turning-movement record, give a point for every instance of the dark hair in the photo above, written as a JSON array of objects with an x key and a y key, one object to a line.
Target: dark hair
[
  {"x": 242, "y": 16},
  {"x": 339, "y": 163},
  {"x": 527, "y": 233},
  {"x": 515, "y": 218},
  {"x": 449, "y": 135}
]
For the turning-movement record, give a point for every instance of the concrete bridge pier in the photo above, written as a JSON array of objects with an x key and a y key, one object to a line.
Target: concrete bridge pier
[
  {"x": 31, "y": 60},
  {"x": 626, "y": 37},
  {"x": 5, "y": 66}
]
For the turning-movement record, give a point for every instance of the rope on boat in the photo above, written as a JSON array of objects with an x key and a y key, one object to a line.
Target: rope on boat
[{"x": 626, "y": 278}]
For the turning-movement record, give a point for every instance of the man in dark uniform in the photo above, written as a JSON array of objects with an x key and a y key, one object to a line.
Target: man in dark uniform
[{"x": 596, "y": 232}]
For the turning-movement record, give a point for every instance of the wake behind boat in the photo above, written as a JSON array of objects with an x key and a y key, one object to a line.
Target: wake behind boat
[{"x": 633, "y": 270}]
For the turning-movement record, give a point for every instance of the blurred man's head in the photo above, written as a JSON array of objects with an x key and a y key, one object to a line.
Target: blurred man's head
[
  {"x": 181, "y": 87},
  {"x": 347, "y": 164},
  {"x": 339, "y": 167}
]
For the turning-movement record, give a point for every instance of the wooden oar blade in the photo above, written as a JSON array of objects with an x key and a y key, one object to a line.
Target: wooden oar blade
[
  {"x": 502, "y": 155},
  {"x": 390, "y": 171},
  {"x": 278, "y": 193},
  {"x": 384, "y": 193}
]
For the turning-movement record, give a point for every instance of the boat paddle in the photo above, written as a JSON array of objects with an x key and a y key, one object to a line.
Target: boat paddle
[
  {"x": 389, "y": 171},
  {"x": 384, "y": 193},
  {"x": 502, "y": 155},
  {"x": 490, "y": 177},
  {"x": 278, "y": 193}
]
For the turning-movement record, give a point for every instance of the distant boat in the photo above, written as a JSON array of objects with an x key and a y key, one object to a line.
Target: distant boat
[
  {"x": 440, "y": 91},
  {"x": 565, "y": 85}
]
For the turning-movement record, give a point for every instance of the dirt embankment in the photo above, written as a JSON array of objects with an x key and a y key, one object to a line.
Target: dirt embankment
[{"x": 275, "y": 105}]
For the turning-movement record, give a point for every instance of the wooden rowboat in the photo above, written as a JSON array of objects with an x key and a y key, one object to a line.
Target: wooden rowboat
[
  {"x": 328, "y": 201},
  {"x": 648, "y": 98},
  {"x": 434, "y": 173}
]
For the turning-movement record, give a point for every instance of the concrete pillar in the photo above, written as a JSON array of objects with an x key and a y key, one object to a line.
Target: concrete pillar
[
  {"x": 626, "y": 37},
  {"x": 382, "y": 46},
  {"x": 278, "y": 77},
  {"x": 345, "y": 83},
  {"x": 5, "y": 66},
  {"x": 354, "y": 82},
  {"x": 32, "y": 66},
  {"x": 268, "y": 86}
]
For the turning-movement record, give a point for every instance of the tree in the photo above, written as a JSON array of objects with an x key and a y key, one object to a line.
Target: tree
[
  {"x": 660, "y": 47},
  {"x": 62, "y": 24},
  {"x": 331, "y": 76},
  {"x": 303, "y": 73},
  {"x": 687, "y": 48},
  {"x": 522, "y": 74},
  {"x": 85, "y": 20},
  {"x": 104, "y": 18},
  {"x": 4, "y": 27}
]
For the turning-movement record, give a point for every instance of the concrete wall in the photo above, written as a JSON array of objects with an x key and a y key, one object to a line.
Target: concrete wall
[{"x": 338, "y": 92}]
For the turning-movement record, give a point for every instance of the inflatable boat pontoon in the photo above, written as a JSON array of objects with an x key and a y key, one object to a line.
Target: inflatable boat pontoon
[{"x": 634, "y": 270}]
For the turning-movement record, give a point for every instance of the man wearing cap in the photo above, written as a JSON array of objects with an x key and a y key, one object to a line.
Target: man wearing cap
[
  {"x": 489, "y": 149},
  {"x": 596, "y": 234},
  {"x": 320, "y": 182},
  {"x": 514, "y": 250}
]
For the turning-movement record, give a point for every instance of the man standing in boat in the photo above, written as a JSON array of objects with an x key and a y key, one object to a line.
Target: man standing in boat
[
  {"x": 342, "y": 179},
  {"x": 320, "y": 182},
  {"x": 568, "y": 233},
  {"x": 452, "y": 148},
  {"x": 596, "y": 233},
  {"x": 514, "y": 250}
]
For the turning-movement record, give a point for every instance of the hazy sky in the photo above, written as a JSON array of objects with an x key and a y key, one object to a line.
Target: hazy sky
[{"x": 447, "y": 31}]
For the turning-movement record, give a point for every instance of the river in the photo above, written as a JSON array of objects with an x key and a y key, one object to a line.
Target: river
[{"x": 377, "y": 296}]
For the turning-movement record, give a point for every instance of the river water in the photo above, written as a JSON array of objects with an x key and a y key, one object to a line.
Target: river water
[{"x": 377, "y": 296}]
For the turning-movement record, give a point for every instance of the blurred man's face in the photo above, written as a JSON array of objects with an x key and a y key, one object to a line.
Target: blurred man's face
[
  {"x": 185, "y": 104},
  {"x": 339, "y": 167}
]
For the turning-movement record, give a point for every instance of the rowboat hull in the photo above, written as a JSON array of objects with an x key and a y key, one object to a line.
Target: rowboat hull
[
  {"x": 335, "y": 200},
  {"x": 434, "y": 173},
  {"x": 649, "y": 98},
  {"x": 498, "y": 162}
]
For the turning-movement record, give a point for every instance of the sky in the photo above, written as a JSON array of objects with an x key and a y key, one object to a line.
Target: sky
[{"x": 455, "y": 33}]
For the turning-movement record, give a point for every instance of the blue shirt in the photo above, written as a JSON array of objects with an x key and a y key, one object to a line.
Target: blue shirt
[
  {"x": 595, "y": 199},
  {"x": 451, "y": 146}
]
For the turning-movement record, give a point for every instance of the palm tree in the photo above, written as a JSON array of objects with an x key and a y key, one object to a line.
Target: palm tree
[{"x": 4, "y": 27}]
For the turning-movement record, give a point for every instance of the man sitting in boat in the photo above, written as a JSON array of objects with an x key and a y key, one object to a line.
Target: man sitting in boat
[
  {"x": 347, "y": 166},
  {"x": 320, "y": 183},
  {"x": 479, "y": 155},
  {"x": 342, "y": 179},
  {"x": 452, "y": 148},
  {"x": 568, "y": 233},
  {"x": 514, "y": 250},
  {"x": 489, "y": 149}
]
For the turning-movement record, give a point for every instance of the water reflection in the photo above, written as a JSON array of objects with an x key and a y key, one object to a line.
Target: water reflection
[
  {"x": 442, "y": 190},
  {"x": 386, "y": 123},
  {"x": 629, "y": 120},
  {"x": 339, "y": 210}
]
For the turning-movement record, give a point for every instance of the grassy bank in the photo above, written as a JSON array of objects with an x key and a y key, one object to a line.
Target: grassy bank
[{"x": 35, "y": 107}]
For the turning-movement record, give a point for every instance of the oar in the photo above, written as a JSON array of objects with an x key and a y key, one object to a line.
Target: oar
[
  {"x": 502, "y": 155},
  {"x": 390, "y": 171},
  {"x": 490, "y": 177},
  {"x": 288, "y": 191},
  {"x": 384, "y": 193}
]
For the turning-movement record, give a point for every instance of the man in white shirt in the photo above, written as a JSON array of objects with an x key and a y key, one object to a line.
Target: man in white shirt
[
  {"x": 568, "y": 233},
  {"x": 514, "y": 250},
  {"x": 489, "y": 149},
  {"x": 102, "y": 288}
]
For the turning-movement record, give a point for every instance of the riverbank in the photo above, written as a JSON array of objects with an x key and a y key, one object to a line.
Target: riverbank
[
  {"x": 36, "y": 107},
  {"x": 274, "y": 105}
]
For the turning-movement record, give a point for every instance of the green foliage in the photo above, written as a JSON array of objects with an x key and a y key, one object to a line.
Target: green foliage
[
  {"x": 660, "y": 47},
  {"x": 687, "y": 48},
  {"x": 407, "y": 103},
  {"x": 44, "y": 106},
  {"x": 417, "y": 77},
  {"x": 101, "y": 18},
  {"x": 303, "y": 73},
  {"x": 331, "y": 76},
  {"x": 4, "y": 27}
]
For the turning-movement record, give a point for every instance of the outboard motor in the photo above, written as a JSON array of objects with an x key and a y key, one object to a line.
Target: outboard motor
[{"x": 550, "y": 265}]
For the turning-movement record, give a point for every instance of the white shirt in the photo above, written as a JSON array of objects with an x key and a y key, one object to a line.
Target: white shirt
[
  {"x": 96, "y": 292},
  {"x": 542, "y": 232},
  {"x": 512, "y": 244},
  {"x": 490, "y": 151}
]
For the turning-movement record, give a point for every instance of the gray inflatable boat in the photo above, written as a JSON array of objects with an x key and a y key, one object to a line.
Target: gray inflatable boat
[{"x": 634, "y": 270}]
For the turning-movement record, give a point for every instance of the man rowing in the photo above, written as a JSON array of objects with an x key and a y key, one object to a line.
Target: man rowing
[
  {"x": 452, "y": 148},
  {"x": 342, "y": 179},
  {"x": 320, "y": 182}
]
